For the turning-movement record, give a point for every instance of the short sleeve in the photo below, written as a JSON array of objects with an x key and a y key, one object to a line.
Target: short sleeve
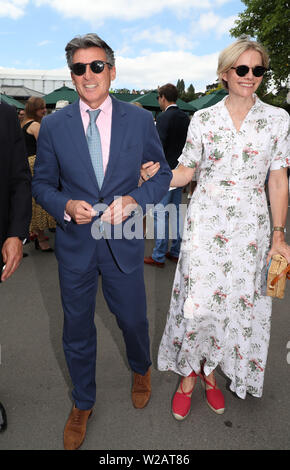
[
  {"x": 281, "y": 145},
  {"x": 192, "y": 151}
]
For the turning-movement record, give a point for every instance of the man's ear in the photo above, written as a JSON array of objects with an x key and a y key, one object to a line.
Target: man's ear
[{"x": 113, "y": 73}]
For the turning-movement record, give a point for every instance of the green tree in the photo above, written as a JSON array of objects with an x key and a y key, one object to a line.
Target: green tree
[
  {"x": 278, "y": 99},
  {"x": 190, "y": 93},
  {"x": 180, "y": 88},
  {"x": 122, "y": 90},
  {"x": 185, "y": 95},
  {"x": 268, "y": 22},
  {"x": 218, "y": 87}
]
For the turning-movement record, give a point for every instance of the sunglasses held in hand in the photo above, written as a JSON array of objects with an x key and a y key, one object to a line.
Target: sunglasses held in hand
[
  {"x": 242, "y": 70},
  {"x": 97, "y": 66}
]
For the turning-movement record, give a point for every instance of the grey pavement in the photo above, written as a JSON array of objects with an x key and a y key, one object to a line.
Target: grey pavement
[{"x": 35, "y": 385}]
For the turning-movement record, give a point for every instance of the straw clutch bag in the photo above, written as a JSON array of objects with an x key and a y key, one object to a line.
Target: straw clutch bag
[{"x": 278, "y": 271}]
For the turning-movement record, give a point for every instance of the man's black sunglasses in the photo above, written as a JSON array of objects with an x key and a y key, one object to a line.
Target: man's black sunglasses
[
  {"x": 242, "y": 70},
  {"x": 97, "y": 66}
]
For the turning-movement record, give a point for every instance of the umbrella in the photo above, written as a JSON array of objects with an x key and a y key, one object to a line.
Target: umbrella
[
  {"x": 209, "y": 100},
  {"x": 9, "y": 100},
  {"x": 64, "y": 93}
]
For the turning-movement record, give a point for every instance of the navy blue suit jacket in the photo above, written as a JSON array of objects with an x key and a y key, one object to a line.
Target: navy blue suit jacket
[
  {"x": 172, "y": 126},
  {"x": 63, "y": 171},
  {"x": 15, "y": 179}
]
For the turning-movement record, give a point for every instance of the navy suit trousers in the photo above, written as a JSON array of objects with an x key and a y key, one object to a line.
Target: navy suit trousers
[{"x": 126, "y": 299}]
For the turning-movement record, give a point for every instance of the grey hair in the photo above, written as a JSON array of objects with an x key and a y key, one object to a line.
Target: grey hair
[{"x": 86, "y": 41}]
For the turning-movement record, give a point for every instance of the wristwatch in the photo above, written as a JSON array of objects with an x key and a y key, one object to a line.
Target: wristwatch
[{"x": 279, "y": 229}]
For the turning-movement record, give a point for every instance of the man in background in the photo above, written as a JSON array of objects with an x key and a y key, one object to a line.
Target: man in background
[
  {"x": 172, "y": 125},
  {"x": 15, "y": 200}
]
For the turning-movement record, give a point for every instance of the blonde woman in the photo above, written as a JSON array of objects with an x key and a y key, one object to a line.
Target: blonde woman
[
  {"x": 219, "y": 314},
  {"x": 35, "y": 110}
]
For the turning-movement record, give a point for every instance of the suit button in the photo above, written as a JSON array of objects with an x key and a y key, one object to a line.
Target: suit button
[{"x": 101, "y": 199}]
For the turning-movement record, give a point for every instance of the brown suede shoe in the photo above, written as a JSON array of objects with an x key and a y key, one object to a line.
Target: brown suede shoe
[
  {"x": 141, "y": 390},
  {"x": 75, "y": 428}
]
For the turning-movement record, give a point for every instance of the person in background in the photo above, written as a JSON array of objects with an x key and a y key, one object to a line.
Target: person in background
[
  {"x": 35, "y": 110},
  {"x": 21, "y": 114},
  {"x": 172, "y": 125},
  {"x": 219, "y": 314},
  {"x": 15, "y": 201}
]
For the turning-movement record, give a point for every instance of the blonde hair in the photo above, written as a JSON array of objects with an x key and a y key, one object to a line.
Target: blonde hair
[{"x": 230, "y": 55}]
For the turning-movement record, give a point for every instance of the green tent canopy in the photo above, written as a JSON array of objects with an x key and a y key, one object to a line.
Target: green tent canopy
[
  {"x": 64, "y": 93},
  {"x": 9, "y": 100},
  {"x": 186, "y": 106},
  {"x": 210, "y": 99},
  {"x": 128, "y": 97},
  {"x": 149, "y": 101}
]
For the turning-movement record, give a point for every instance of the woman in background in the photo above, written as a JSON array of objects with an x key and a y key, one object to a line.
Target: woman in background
[{"x": 35, "y": 110}]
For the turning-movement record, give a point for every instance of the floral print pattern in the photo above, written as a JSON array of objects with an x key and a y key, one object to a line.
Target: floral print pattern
[{"x": 219, "y": 311}]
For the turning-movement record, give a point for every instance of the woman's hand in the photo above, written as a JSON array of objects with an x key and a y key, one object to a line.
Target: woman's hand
[
  {"x": 148, "y": 170},
  {"x": 279, "y": 247},
  {"x": 278, "y": 192}
]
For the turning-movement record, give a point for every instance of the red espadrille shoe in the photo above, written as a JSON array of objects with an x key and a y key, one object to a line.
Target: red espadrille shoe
[
  {"x": 181, "y": 401},
  {"x": 214, "y": 396}
]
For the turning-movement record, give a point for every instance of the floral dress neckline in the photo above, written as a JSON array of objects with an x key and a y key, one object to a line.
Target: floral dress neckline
[{"x": 251, "y": 110}]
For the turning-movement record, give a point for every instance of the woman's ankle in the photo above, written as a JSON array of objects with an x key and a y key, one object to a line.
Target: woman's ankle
[
  {"x": 187, "y": 384},
  {"x": 211, "y": 381}
]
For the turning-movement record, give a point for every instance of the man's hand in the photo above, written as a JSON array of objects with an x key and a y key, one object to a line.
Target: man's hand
[
  {"x": 119, "y": 210},
  {"x": 12, "y": 254},
  {"x": 81, "y": 211}
]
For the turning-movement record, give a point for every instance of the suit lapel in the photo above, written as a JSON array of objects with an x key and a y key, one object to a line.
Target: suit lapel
[
  {"x": 79, "y": 140},
  {"x": 117, "y": 135}
]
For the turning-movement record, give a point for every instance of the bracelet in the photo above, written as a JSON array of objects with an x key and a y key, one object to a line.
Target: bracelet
[{"x": 279, "y": 229}]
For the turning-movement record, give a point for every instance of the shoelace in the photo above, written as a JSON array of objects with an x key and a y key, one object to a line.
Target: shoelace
[
  {"x": 76, "y": 419},
  {"x": 139, "y": 380}
]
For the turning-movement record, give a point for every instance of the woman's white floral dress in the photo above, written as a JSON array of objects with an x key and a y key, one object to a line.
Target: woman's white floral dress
[{"x": 218, "y": 310}]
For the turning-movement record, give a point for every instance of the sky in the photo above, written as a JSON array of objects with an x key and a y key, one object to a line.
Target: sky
[{"x": 155, "y": 41}]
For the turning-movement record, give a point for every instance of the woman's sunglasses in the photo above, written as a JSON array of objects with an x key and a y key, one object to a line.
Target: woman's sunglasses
[
  {"x": 242, "y": 70},
  {"x": 97, "y": 66}
]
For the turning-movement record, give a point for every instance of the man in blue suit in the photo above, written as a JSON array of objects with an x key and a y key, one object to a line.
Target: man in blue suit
[{"x": 86, "y": 176}]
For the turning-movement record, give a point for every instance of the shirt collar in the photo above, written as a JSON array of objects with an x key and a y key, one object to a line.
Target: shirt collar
[
  {"x": 106, "y": 106},
  {"x": 171, "y": 106}
]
